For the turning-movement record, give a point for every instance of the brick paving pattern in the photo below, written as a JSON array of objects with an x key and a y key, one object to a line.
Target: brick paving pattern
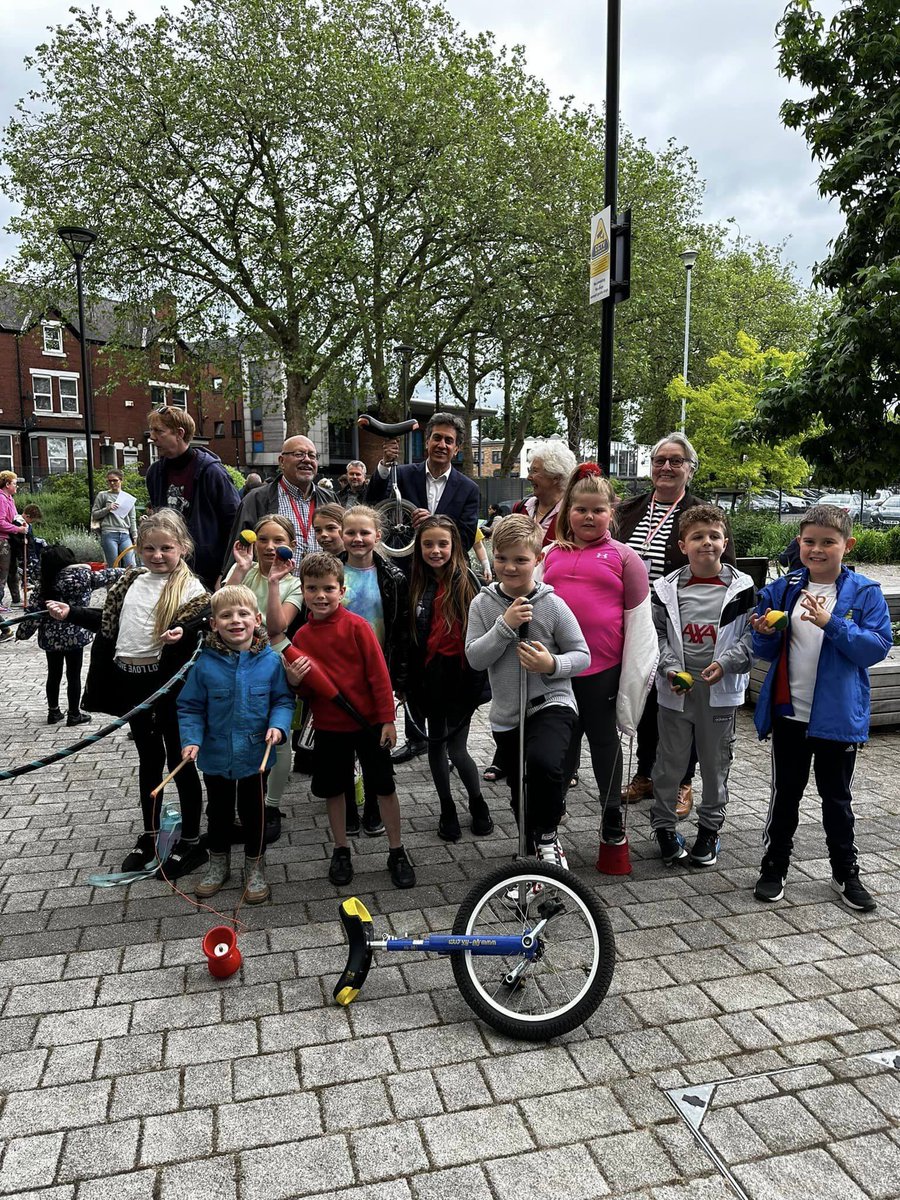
[{"x": 127, "y": 1072}]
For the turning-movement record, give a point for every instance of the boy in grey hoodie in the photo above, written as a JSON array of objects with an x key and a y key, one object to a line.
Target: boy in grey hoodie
[{"x": 516, "y": 623}]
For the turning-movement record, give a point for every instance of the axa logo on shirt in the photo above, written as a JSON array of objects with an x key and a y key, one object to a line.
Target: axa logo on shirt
[{"x": 697, "y": 634}]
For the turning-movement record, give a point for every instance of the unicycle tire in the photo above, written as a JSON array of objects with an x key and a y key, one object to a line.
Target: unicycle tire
[{"x": 562, "y": 986}]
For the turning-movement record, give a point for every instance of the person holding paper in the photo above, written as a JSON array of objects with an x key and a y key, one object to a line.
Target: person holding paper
[{"x": 114, "y": 512}]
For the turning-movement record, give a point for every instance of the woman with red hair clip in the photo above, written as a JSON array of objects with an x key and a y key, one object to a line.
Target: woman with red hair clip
[{"x": 605, "y": 585}]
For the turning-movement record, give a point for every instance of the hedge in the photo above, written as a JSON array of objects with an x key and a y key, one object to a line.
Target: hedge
[{"x": 763, "y": 535}]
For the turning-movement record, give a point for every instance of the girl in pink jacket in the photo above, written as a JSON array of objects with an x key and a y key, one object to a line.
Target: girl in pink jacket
[{"x": 605, "y": 584}]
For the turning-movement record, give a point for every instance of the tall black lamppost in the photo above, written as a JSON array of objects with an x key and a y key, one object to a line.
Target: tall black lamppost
[
  {"x": 78, "y": 242},
  {"x": 404, "y": 352}
]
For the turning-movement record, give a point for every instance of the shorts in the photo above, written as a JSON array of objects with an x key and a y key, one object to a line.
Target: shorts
[{"x": 333, "y": 753}]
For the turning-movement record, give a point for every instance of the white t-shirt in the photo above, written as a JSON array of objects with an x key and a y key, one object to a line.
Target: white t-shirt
[
  {"x": 806, "y": 646},
  {"x": 136, "y": 638}
]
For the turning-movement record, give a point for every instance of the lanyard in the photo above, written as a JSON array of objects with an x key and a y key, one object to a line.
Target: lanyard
[
  {"x": 303, "y": 526},
  {"x": 653, "y": 532}
]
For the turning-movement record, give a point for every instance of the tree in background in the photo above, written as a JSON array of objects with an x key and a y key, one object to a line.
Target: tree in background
[
  {"x": 717, "y": 413},
  {"x": 848, "y": 387}
]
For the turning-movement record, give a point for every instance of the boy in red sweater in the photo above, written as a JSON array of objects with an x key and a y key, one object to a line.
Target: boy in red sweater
[{"x": 344, "y": 646}]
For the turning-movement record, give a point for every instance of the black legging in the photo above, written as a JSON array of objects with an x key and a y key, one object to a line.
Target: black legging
[
  {"x": 220, "y": 797},
  {"x": 648, "y": 740},
  {"x": 71, "y": 660},
  {"x": 454, "y": 746},
  {"x": 596, "y": 696}
]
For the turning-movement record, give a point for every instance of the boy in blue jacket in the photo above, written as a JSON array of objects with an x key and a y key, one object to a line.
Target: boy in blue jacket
[
  {"x": 815, "y": 699},
  {"x": 236, "y": 702}
]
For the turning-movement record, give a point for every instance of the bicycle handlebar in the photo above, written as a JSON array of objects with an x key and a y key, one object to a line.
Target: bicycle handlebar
[{"x": 398, "y": 429}]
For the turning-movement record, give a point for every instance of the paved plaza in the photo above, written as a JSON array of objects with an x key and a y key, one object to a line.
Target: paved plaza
[{"x": 127, "y": 1072}]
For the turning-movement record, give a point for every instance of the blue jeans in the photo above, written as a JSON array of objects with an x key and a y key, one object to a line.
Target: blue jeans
[{"x": 114, "y": 543}]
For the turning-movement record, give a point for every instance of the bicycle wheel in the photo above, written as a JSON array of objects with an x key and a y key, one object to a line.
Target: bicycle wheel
[
  {"x": 398, "y": 534},
  {"x": 558, "y": 989}
]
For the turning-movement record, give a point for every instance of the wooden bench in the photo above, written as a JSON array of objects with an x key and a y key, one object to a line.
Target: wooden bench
[{"x": 884, "y": 677}]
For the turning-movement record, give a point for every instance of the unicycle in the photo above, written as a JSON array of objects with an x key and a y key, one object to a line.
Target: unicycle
[
  {"x": 532, "y": 948},
  {"x": 398, "y": 533}
]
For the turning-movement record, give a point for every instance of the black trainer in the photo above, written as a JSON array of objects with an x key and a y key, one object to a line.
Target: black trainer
[
  {"x": 448, "y": 829},
  {"x": 408, "y": 751},
  {"x": 186, "y": 857},
  {"x": 612, "y": 830},
  {"x": 671, "y": 846},
  {"x": 705, "y": 850},
  {"x": 482, "y": 821},
  {"x": 852, "y": 892},
  {"x": 341, "y": 870},
  {"x": 770, "y": 885},
  {"x": 54, "y": 716},
  {"x": 401, "y": 869},
  {"x": 372, "y": 824},
  {"x": 143, "y": 853},
  {"x": 77, "y": 718},
  {"x": 352, "y": 821}
]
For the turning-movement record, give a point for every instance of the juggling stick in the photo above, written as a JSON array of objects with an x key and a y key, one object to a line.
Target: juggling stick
[
  {"x": 262, "y": 765},
  {"x": 168, "y": 779}
]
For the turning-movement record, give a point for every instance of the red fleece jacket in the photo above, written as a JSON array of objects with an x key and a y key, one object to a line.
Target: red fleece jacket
[{"x": 345, "y": 647}]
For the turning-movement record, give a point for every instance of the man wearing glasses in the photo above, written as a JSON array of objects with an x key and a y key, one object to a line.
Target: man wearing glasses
[
  {"x": 649, "y": 524},
  {"x": 293, "y": 494}
]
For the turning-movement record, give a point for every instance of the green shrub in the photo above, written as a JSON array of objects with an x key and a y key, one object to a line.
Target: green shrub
[
  {"x": 236, "y": 477},
  {"x": 68, "y": 497},
  {"x": 83, "y": 545}
]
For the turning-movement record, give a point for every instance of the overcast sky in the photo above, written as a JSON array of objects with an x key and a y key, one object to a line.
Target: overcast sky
[{"x": 700, "y": 71}]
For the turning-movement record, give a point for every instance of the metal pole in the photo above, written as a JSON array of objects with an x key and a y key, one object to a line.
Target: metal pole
[
  {"x": 607, "y": 329},
  {"x": 86, "y": 377},
  {"x": 687, "y": 335}
]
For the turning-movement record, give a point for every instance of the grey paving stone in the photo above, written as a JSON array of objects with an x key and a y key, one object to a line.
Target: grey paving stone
[
  {"x": 355, "y": 1105},
  {"x": 633, "y": 1160},
  {"x": 264, "y": 1122},
  {"x": 437, "y": 1047},
  {"x": 731, "y": 1136},
  {"x": 22, "y": 1069},
  {"x": 54, "y": 1108},
  {"x": 210, "y": 1043},
  {"x": 85, "y": 1025},
  {"x": 150, "y": 1093},
  {"x": 873, "y": 1162},
  {"x": 805, "y": 1019},
  {"x": 531, "y": 1072},
  {"x": 208, "y": 1083},
  {"x": 30, "y": 1162},
  {"x": 843, "y": 1110},
  {"x": 748, "y": 993},
  {"x": 458, "y": 1138},
  {"x": 461, "y": 1085},
  {"x": 799, "y": 1177},
  {"x": 70, "y": 1064},
  {"x": 648, "y": 1050},
  {"x": 213, "y": 1179},
  {"x": 884, "y": 1092},
  {"x": 783, "y": 1123},
  {"x": 414, "y": 1094},
  {"x": 265, "y": 1075},
  {"x": 104, "y": 1150},
  {"x": 394, "y": 1189},
  {"x": 574, "y": 1116},
  {"x": 136, "y": 1185},
  {"x": 50, "y": 997},
  {"x": 311, "y": 1027},
  {"x": 176, "y": 1012},
  {"x": 288, "y": 1170},
  {"x": 452, "y": 1184},
  {"x": 568, "y": 1174},
  {"x": 387, "y": 1151},
  {"x": 664, "y": 1006},
  {"x": 124, "y": 1055},
  {"x": 392, "y": 1015},
  {"x": 177, "y": 1137},
  {"x": 364, "y": 1059}
]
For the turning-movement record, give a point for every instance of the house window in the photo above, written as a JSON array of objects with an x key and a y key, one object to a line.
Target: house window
[
  {"x": 340, "y": 441},
  {"x": 68, "y": 396},
  {"x": 53, "y": 339},
  {"x": 164, "y": 394},
  {"x": 167, "y": 355},
  {"x": 158, "y": 397},
  {"x": 6, "y": 452},
  {"x": 57, "y": 456},
  {"x": 179, "y": 398},
  {"x": 43, "y": 393},
  {"x": 79, "y": 454},
  {"x": 217, "y": 383},
  {"x": 218, "y": 429},
  {"x": 496, "y": 457}
]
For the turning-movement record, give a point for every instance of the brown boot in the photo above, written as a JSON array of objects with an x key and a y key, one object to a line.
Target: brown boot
[
  {"x": 640, "y": 788},
  {"x": 685, "y": 801}
]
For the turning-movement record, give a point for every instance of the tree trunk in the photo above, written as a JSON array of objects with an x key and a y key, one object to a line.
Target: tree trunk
[{"x": 298, "y": 393}]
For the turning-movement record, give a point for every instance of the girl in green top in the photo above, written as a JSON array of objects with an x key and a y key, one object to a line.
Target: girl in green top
[{"x": 279, "y": 602}]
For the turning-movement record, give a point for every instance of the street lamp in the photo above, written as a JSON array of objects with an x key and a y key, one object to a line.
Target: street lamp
[
  {"x": 404, "y": 352},
  {"x": 688, "y": 257},
  {"x": 78, "y": 242}
]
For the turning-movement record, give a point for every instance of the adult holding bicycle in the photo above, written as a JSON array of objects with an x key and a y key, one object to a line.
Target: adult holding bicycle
[
  {"x": 649, "y": 525},
  {"x": 435, "y": 488}
]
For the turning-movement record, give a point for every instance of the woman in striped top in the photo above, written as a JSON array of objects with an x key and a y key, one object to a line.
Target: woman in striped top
[{"x": 649, "y": 525}]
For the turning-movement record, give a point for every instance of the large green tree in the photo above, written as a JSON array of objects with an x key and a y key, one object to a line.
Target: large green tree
[{"x": 850, "y": 380}]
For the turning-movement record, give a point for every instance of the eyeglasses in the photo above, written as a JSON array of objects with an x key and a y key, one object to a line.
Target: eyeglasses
[
  {"x": 674, "y": 460},
  {"x": 300, "y": 455}
]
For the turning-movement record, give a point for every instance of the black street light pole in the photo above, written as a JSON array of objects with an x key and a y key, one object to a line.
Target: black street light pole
[
  {"x": 404, "y": 352},
  {"x": 607, "y": 330},
  {"x": 78, "y": 242}
]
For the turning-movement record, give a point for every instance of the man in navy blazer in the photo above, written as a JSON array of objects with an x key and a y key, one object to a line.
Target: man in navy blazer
[{"x": 433, "y": 486}]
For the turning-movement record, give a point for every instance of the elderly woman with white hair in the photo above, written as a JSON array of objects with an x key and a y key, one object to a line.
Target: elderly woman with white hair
[
  {"x": 649, "y": 524},
  {"x": 549, "y": 468}
]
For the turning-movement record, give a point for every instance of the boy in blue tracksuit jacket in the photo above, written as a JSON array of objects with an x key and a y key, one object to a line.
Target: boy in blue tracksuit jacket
[
  {"x": 235, "y": 704},
  {"x": 815, "y": 699}
]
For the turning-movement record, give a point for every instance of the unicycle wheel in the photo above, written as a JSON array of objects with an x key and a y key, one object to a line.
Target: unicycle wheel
[{"x": 561, "y": 986}]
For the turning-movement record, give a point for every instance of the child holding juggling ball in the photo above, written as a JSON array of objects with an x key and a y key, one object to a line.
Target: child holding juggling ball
[
  {"x": 701, "y": 613},
  {"x": 815, "y": 699}
]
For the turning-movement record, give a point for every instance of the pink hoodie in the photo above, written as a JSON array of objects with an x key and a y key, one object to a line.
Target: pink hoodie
[
  {"x": 8, "y": 515},
  {"x": 599, "y": 583}
]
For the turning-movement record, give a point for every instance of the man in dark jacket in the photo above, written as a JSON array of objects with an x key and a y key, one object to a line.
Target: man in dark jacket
[
  {"x": 293, "y": 493},
  {"x": 192, "y": 481},
  {"x": 355, "y": 489}
]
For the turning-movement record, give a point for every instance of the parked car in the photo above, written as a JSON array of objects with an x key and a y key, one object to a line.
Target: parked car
[
  {"x": 888, "y": 514},
  {"x": 763, "y": 502}
]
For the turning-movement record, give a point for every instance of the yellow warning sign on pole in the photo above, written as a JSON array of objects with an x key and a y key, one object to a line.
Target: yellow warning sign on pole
[{"x": 601, "y": 223}]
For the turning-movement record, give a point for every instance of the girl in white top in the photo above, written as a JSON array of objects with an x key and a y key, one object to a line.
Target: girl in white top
[
  {"x": 279, "y": 600},
  {"x": 148, "y": 628}
]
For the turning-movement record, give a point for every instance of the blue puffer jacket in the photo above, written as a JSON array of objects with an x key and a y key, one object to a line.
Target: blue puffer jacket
[
  {"x": 857, "y": 636},
  {"x": 228, "y": 703}
]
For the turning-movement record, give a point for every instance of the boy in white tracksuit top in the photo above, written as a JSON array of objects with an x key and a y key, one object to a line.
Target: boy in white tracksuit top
[{"x": 701, "y": 613}]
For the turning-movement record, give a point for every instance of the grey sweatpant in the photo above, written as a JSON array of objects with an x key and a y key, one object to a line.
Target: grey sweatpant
[{"x": 712, "y": 729}]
